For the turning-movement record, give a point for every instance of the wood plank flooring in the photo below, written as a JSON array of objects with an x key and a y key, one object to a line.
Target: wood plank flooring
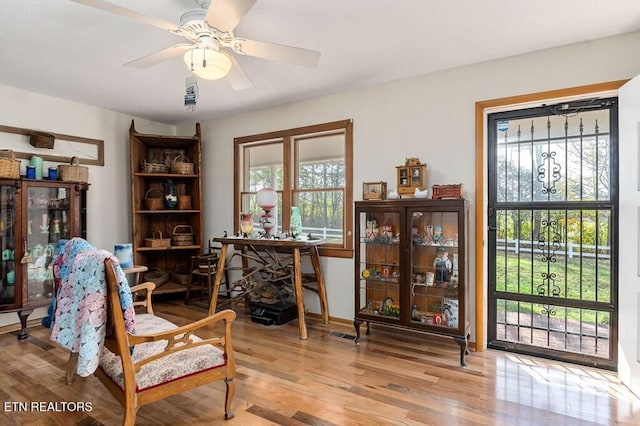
[{"x": 387, "y": 379}]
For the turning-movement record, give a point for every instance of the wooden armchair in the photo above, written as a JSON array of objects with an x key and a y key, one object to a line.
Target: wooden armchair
[{"x": 160, "y": 359}]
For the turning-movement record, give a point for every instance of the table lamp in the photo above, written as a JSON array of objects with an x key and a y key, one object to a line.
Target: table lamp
[{"x": 267, "y": 199}]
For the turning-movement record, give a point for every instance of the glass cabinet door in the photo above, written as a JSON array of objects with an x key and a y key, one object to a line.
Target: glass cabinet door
[
  {"x": 7, "y": 244},
  {"x": 379, "y": 268},
  {"x": 435, "y": 273},
  {"x": 49, "y": 220}
]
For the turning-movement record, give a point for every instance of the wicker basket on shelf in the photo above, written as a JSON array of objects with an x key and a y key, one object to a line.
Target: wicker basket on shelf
[
  {"x": 154, "y": 167},
  {"x": 182, "y": 165},
  {"x": 184, "y": 202},
  {"x": 42, "y": 140},
  {"x": 153, "y": 203},
  {"x": 9, "y": 166},
  {"x": 183, "y": 238},
  {"x": 156, "y": 240},
  {"x": 73, "y": 172},
  {"x": 156, "y": 276},
  {"x": 181, "y": 275}
]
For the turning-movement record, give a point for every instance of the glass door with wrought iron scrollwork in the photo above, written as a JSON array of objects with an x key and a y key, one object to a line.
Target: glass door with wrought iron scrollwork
[{"x": 553, "y": 231}]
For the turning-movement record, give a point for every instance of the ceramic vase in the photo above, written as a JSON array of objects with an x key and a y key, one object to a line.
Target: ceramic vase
[{"x": 295, "y": 224}]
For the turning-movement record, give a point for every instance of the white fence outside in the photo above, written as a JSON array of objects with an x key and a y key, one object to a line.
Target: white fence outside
[{"x": 569, "y": 249}]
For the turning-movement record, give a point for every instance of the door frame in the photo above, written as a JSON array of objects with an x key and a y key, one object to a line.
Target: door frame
[{"x": 481, "y": 255}]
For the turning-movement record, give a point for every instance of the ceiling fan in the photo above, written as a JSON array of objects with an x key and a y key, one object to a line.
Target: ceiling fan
[{"x": 210, "y": 32}]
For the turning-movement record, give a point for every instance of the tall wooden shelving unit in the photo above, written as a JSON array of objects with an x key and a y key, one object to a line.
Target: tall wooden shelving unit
[{"x": 154, "y": 149}]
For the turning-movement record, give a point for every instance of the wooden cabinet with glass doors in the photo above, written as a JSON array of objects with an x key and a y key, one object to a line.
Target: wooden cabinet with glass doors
[
  {"x": 34, "y": 215},
  {"x": 411, "y": 267}
]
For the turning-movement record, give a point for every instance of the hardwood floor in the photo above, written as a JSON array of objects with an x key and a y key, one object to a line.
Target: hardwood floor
[{"x": 328, "y": 380}]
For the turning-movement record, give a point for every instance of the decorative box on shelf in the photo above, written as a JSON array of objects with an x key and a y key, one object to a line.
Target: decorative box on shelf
[
  {"x": 411, "y": 176},
  {"x": 374, "y": 190},
  {"x": 447, "y": 191}
]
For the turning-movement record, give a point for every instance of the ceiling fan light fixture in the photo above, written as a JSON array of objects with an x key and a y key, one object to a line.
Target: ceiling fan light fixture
[{"x": 208, "y": 64}]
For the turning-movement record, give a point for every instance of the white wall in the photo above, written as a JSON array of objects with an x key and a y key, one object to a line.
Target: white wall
[
  {"x": 109, "y": 211},
  {"x": 430, "y": 117}
]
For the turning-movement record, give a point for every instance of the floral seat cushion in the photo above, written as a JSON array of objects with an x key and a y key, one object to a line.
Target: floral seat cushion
[{"x": 166, "y": 369}]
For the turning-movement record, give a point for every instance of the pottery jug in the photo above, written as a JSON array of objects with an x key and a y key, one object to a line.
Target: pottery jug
[{"x": 37, "y": 162}]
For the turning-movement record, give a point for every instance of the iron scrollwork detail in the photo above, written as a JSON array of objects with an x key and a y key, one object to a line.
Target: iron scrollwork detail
[
  {"x": 549, "y": 172},
  {"x": 549, "y": 249}
]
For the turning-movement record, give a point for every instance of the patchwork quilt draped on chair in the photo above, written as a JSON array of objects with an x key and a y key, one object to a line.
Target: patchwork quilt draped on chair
[
  {"x": 79, "y": 306},
  {"x": 94, "y": 317}
]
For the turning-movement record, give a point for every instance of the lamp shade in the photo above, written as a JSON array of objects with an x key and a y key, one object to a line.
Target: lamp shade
[
  {"x": 267, "y": 198},
  {"x": 209, "y": 64}
]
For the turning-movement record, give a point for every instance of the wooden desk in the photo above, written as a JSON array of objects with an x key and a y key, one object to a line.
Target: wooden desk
[{"x": 293, "y": 246}]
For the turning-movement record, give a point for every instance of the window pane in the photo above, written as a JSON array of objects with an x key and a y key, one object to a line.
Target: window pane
[
  {"x": 322, "y": 214},
  {"x": 264, "y": 165},
  {"x": 321, "y": 162}
]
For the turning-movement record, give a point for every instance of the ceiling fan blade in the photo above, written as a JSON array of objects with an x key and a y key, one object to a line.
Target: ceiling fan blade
[
  {"x": 128, "y": 13},
  {"x": 157, "y": 57},
  {"x": 279, "y": 52},
  {"x": 238, "y": 80},
  {"x": 225, "y": 15}
]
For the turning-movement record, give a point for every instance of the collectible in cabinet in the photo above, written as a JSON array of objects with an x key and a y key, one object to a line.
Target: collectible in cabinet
[{"x": 411, "y": 267}]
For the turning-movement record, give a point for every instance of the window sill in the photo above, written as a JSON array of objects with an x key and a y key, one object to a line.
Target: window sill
[{"x": 335, "y": 252}]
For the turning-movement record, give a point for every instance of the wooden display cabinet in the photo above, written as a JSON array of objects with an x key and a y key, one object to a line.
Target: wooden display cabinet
[
  {"x": 34, "y": 215},
  {"x": 149, "y": 223},
  {"x": 411, "y": 177},
  {"x": 411, "y": 269}
]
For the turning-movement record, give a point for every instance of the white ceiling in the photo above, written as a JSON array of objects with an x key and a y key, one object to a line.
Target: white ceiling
[{"x": 70, "y": 51}]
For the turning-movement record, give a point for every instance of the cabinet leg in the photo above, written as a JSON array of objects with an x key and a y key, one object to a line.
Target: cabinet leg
[
  {"x": 356, "y": 324},
  {"x": 24, "y": 315},
  {"x": 464, "y": 348}
]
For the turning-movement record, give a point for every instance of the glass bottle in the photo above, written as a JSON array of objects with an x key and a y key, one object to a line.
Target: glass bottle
[
  {"x": 295, "y": 224},
  {"x": 246, "y": 224}
]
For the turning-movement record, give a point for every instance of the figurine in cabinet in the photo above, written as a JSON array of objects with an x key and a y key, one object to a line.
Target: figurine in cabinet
[
  {"x": 442, "y": 265},
  {"x": 372, "y": 229}
]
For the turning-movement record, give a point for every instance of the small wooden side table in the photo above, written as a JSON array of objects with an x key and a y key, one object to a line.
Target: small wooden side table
[{"x": 135, "y": 270}]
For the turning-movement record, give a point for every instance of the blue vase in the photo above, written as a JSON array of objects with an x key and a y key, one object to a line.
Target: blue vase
[{"x": 124, "y": 253}]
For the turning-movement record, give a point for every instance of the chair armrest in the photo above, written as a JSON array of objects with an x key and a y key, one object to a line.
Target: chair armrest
[
  {"x": 178, "y": 339},
  {"x": 146, "y": 300}
]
